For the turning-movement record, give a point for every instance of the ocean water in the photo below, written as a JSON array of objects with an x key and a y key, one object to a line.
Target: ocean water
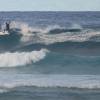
[{"x": 50, "y": 56}]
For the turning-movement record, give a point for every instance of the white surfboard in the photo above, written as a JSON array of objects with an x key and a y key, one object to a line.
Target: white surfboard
[{"x": 4, "y": 33}]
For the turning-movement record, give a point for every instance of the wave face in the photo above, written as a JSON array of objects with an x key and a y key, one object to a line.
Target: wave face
[{"x": 50, "y": 50}]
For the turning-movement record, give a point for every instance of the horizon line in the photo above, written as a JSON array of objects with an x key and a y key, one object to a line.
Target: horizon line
[{"x": 49, "y": 11}]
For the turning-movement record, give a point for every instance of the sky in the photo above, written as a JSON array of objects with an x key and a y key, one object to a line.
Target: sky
[{"x": 49, "y": 5}]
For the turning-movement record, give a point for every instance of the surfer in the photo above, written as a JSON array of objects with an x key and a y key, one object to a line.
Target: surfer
[
  {"x": 7, "y": 26},
  {"x": 0, "y": 28}
]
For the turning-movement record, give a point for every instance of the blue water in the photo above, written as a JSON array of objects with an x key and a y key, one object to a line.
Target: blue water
[{"x": 50, "y": 56}]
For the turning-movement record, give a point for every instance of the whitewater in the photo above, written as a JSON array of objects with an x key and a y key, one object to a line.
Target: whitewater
[{"x": 22, "y": 58}]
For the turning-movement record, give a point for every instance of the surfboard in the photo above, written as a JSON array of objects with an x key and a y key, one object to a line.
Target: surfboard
[{"x": 4, "y": 33}]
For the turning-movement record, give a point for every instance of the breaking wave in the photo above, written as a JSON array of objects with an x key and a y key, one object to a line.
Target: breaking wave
[
  {"x": 63, "y": 37},
  {"x": 9, "y": 59},
  {"x": 66, "y": 81},
  {"x": 54, "y": 34}
]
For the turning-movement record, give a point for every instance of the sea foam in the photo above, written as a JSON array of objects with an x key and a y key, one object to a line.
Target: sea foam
[
  {"x": 9, "y": 59},
  {"x": 9, "y": 81}
]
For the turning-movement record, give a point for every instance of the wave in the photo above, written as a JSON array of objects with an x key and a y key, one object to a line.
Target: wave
[
  {"x": 25, "y": 28},
  {"x": 66, "y": 81},
  {"x": 48, "y": 39},
  {"x": 54, "y": 34},
  {"x": 24, "y": 35},
  {"x": 9, "y": 59},
  {"x": 58, "y": 29}
]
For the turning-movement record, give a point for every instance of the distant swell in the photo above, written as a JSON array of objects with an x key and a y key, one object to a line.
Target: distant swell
[{"x": 9, "y": 59}]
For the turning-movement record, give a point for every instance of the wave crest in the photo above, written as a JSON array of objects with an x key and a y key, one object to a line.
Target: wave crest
[
  {"x": 67, "y": 81},
  {"x": 21, "y": 58}
]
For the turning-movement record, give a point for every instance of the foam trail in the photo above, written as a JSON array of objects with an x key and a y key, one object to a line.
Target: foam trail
[
  {"x": 21, "y": 58},
  {"x": 82, "y": 37}
]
